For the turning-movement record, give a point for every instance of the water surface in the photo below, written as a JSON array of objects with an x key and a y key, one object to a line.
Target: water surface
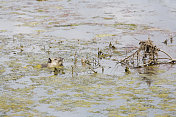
[{"x": 32, "y": 31}]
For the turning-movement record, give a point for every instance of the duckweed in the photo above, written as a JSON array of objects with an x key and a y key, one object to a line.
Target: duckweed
[
  {"x": 31, "y": 33},
  {"x": 105, "y": 35}
]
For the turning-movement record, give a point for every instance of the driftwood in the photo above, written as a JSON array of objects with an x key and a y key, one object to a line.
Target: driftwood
[{"x": 146, "y": 55}]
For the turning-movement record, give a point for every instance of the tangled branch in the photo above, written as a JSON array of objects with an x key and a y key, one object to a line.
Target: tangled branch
[{"x": 147, "y": 54}]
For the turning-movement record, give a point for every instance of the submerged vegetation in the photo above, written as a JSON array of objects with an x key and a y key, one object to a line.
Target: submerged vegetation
[
  {"x": 91, "y": 42},
  {"x": 85, "y": 82}
]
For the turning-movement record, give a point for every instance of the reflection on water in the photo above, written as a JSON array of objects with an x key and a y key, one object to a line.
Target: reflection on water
[
  {"x": 149, "y": 70},
  {"x": 147, "y": 80},
  {"x": 33, "y": 31},
  {"x": 148, "y": 74}
]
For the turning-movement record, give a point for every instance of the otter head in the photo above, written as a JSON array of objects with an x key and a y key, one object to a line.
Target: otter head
[{"x": 56, "y": 62}]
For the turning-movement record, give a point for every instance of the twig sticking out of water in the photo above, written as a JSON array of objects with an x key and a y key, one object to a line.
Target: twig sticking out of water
[{"x": 149, "y": 53}]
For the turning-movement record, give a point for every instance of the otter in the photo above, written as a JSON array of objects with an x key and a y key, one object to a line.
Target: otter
[{"x": 54, "y": 63}]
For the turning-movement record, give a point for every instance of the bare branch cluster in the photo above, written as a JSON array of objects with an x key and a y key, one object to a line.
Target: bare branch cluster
[{"x": 146, "y": 55}]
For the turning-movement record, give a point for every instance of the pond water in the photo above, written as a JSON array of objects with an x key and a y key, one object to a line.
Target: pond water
[{"x": 33, "y": 31}]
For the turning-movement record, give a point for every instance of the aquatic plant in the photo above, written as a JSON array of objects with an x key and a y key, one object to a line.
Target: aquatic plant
[{"x": 147, "y": 54}]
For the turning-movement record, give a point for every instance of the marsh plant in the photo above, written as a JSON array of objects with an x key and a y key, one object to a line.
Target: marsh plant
[{"x": 147, "y": 54}]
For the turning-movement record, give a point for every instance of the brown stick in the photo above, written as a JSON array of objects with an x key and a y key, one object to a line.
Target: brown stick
[
  {"x": 166, "y": 54},
  {"x": 129, "y": 56}
]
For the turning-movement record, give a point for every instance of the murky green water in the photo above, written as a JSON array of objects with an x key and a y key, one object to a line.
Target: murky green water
[{"x": 32, "y": 31}]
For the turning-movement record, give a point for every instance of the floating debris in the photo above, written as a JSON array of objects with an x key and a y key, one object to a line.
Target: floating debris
[
  {"x": 85, "y": 61},
  {"x": 111, "y": 46},
  {"x": 102, "y": 54},
  {"x": 127, "y": 70},
  {"x": 92, "y": 64},
  {"x": 146, "y": 55},
  {"x": 165, "y": 42}
]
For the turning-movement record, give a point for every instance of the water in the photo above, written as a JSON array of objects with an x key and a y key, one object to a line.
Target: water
[{"x": 32, "y": 31}]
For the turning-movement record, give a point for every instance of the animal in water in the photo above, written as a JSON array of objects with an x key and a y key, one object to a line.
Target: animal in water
[{"x": 54, "y": 63}]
